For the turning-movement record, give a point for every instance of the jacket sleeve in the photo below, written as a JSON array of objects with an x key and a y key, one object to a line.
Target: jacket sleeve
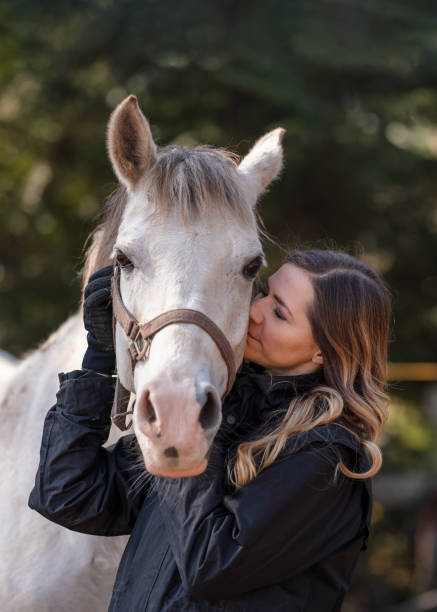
[
  {"x": 79, "y": 483},
  {"x": 288, "y": 518}
]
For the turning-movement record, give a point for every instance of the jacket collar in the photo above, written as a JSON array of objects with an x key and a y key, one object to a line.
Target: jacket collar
[
  {"x": 269, "y": 392},
  {"x": 256, "y": 395},
  {"x": 274, "y": 389}
]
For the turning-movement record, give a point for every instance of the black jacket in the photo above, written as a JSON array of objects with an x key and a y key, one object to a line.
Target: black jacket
[{"x": 288, "y": 540}]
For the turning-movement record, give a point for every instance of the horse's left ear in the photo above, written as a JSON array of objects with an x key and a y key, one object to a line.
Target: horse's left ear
[
  {"x": 130, "y": 143},
  {"x": 264, "y": 161}
]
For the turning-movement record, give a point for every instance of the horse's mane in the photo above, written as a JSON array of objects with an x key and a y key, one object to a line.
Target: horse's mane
[{"x": 191, "y": 179}]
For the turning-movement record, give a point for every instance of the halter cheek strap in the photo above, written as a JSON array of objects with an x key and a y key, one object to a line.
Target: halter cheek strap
[{"x": 142, "y": 334}]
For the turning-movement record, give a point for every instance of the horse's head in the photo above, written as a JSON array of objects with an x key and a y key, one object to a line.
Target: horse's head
[{"x": 187, "y": 239}]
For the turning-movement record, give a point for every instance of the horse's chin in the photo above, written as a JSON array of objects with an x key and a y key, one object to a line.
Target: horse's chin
[{"x": 172, "y": 473}]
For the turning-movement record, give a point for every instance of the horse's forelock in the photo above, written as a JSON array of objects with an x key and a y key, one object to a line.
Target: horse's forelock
[{"x": 198, "y": 182}]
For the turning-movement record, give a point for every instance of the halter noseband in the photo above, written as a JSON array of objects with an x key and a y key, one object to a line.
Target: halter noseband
[{"x": 141, "y": 336}]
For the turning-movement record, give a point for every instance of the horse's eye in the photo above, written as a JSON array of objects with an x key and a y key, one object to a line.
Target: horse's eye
[
  {"x": 251, "y": 269},
  {"x": 123, "y": 261}
]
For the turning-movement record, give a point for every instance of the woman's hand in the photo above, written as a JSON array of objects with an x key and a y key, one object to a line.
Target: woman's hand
[{"x": 97, "y": 318}]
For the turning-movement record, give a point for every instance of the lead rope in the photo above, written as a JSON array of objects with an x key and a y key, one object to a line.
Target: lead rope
[{"x": 119, "y": 406}]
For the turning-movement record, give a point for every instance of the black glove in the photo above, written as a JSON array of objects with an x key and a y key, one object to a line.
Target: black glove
[{"x": 97, "y": 318}]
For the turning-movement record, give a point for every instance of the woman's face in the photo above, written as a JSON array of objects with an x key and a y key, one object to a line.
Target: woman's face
[{"x": 279, "y": 335}]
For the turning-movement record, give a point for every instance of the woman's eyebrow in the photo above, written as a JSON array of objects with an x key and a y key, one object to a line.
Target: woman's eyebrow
[{"x": 278, "y": 299}]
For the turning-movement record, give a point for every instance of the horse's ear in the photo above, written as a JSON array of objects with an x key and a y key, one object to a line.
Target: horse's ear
[
  {"x": 130, "y": 143},
  {"x": 264, "y": 161}
]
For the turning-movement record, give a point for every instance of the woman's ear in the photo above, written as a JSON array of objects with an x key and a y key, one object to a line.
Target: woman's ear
[{"x": 317, "y": 358}]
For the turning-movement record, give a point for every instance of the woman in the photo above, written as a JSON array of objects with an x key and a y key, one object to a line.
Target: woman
[{"x": 278, "y": 519}]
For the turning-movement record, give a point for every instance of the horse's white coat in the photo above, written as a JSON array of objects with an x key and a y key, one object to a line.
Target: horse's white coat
[
  {"x": 8, "y": 363},
  {"x": 46, "y": 568}
]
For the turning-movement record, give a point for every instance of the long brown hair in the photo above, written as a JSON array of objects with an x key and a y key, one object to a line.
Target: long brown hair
[{"x": 350, "y": 321}]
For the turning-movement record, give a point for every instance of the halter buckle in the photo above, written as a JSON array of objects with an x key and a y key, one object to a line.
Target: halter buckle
[{"x": 139, "y": 347}]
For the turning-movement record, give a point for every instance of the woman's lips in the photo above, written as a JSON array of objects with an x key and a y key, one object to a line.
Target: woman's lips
[{"x": 249, "y": 335}]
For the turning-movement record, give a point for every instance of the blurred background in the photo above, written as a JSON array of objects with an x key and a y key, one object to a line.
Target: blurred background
[{"x": 354, "y": 82}]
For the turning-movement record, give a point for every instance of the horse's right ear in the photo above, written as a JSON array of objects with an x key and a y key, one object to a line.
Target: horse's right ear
[
  {"x": 130, "y": 143},
  {"x": 264, "y": 161}
]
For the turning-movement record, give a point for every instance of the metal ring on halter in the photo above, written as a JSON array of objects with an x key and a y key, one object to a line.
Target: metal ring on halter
[
  {"x": 142, "y": 345},
  {"x": 139, "y": 348}
]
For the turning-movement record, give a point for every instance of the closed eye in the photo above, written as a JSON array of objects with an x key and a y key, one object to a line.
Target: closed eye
[
  {"x": 264, "y": 290},
  {"x": 279, "y": 314}
]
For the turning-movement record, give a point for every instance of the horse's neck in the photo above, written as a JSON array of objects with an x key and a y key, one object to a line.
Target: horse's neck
[
  {"x": 29, "y": 580},
  {"x": 32, "y": 385},
  {"x": 31, "y": 388},
  {"x": 8, "y": 365}
]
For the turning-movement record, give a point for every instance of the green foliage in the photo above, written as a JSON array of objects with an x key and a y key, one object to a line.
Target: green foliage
[
  {"x": 353, "y": 83},
  {"x": 408, "y": 437}
]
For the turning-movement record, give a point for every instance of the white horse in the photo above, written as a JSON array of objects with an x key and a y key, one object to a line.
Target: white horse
[
  {"x": 183, "y": 228},
  {"x": 8, "y": 363}
]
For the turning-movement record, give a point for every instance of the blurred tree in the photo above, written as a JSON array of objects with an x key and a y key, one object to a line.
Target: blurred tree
[{"x": 353, "y": 82}]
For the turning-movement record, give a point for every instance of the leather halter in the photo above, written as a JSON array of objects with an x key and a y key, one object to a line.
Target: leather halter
[{"x": 142, "y": 334}]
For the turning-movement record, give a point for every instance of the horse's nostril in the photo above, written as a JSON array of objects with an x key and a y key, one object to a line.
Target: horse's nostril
[
  {"x": 171, "y": 452},
  {"x": 149, "y": 411},
  {"x": 208, "y": 413}
]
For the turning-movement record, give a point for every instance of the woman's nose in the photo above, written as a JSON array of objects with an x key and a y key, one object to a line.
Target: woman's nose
[{"x": 256, "y": 310}]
